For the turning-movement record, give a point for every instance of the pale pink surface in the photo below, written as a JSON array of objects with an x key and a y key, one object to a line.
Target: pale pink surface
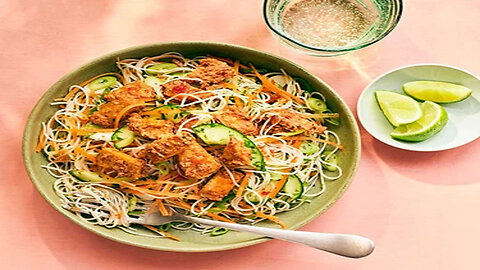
[{"x": 421, "y": 209}]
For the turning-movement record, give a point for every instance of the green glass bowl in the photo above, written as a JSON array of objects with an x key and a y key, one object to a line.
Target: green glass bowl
[
  {"x": 386, "y": 12},
  {"x": 193, "y": 241}
]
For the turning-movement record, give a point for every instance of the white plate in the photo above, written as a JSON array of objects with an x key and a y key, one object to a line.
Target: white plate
[{"x": 464, "y": 117}]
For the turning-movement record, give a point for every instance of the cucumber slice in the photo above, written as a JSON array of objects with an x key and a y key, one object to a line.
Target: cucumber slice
[
  {"x": 293, "y": 187},
  {"x": 136, "y": 213},
  {"x": 87, "y": 176},
  {"x": 219, "y": 134},
  {"x": 333, "y": 121},
  {"x": 123, "y": 137},
  {"x": 163, "y": 167},
  {"x": 165, "y": 227},
  {"x": 105, "y": 92},
  {"x": 179, "y": 74},
  {"x": 333, "y": 159},
  {"x": 309, "y": 148},
  {"x": 219, "y": 231},
  {"x": 90, "y": 125},
  {"x": 253, "y": 198},
  {"x": 102, "y": 82},
  {"x": 153, "y": 81},
  {"x": 170, "y": 112},
  {"x": 160, "y": 68},
  {"x": 317, "y": 104},
  {"x": 275, "y": 176}
]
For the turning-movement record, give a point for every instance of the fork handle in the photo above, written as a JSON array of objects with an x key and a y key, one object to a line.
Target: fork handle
[{"x": 348, "y": 245}]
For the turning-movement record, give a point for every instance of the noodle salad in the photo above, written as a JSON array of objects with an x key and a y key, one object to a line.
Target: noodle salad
[{"x": 207, "y": 137}]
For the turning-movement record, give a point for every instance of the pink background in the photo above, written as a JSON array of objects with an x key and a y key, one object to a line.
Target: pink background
[{"x": 421, "y": 209}]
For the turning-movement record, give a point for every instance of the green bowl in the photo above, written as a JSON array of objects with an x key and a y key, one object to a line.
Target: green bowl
[{"x": 193, "y": 241}]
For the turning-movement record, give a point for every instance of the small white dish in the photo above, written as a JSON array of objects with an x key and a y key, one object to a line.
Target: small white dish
[{"x": 463, "y": 117}]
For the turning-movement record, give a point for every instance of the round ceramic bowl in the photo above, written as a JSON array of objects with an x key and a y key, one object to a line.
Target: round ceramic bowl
[
  {"x": 193, "y": 241},
  {"x": 464, "y": 116}
]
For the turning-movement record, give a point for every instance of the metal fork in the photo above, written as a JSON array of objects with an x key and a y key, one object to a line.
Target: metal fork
[{"x": 348, "y": 245}]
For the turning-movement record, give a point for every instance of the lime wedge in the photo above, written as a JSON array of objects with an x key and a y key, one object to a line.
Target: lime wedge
[
  {"x": 440, "y": 92},
  {"x": 399, "y": 109},
  {"x": 433, "y": 120}
]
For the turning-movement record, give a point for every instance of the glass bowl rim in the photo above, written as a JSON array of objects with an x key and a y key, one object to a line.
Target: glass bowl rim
[{"x": 348, "y": 49}]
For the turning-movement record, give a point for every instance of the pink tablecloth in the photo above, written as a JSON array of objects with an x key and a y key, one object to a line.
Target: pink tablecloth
[{"x": 421, "y": 209}]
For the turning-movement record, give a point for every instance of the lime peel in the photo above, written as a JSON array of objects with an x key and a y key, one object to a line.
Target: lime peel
[
  {"x": 439, "y": 92},
  {"x": 433, "y": 120}
]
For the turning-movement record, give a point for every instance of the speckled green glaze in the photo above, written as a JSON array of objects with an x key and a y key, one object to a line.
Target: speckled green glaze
[{"x": 193, "y": 241}]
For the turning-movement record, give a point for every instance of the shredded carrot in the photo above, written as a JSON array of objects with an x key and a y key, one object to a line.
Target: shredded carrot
[
  {"x": 162, "y": 233},
  {"x": 184, "y": 183},
  {"x": 70, "y": 94},
  {"x": 269, "y": 86},
  {"x": 167, "y": 188},
  {"x": 251, "y": 95},
  {"x": 268, "y": 140},
  {"x": 125, "y": 110},
  {"x": 41, "y": 142},
  {"x": 161, "y": 207},
  {"x": 218, "y": 217},
  {"x": 245, "y": 205},
  {"x": 271, "y": 218},
  {"x": 160, "y": 111},
  {"x": 243, "y": 184},
  {"x": 68, "y": 120},
  {"x": 84, "y": 153},
  {"x": 101, "y": 75},
  {"x": 236, "y": 66},
  {"x": 303, "y": 138},
  {"x": 181, "y": 204},
  {"x": 168, "y": 177},
  {"x": 84, "y": 131},
  {"x": 238, "y": 101},
  {"x": 297, "y": 144},
  {"x": 60, "y": 155}
]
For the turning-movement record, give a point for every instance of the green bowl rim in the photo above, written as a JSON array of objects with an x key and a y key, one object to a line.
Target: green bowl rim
[{"x": 37, "y": 108}]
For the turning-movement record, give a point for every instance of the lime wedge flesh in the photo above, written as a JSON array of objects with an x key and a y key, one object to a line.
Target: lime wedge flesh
[
  {"x": 440, "y": 92},
  {"x": 399, "y": 109},
  {"x": 433, "y": 120}
]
